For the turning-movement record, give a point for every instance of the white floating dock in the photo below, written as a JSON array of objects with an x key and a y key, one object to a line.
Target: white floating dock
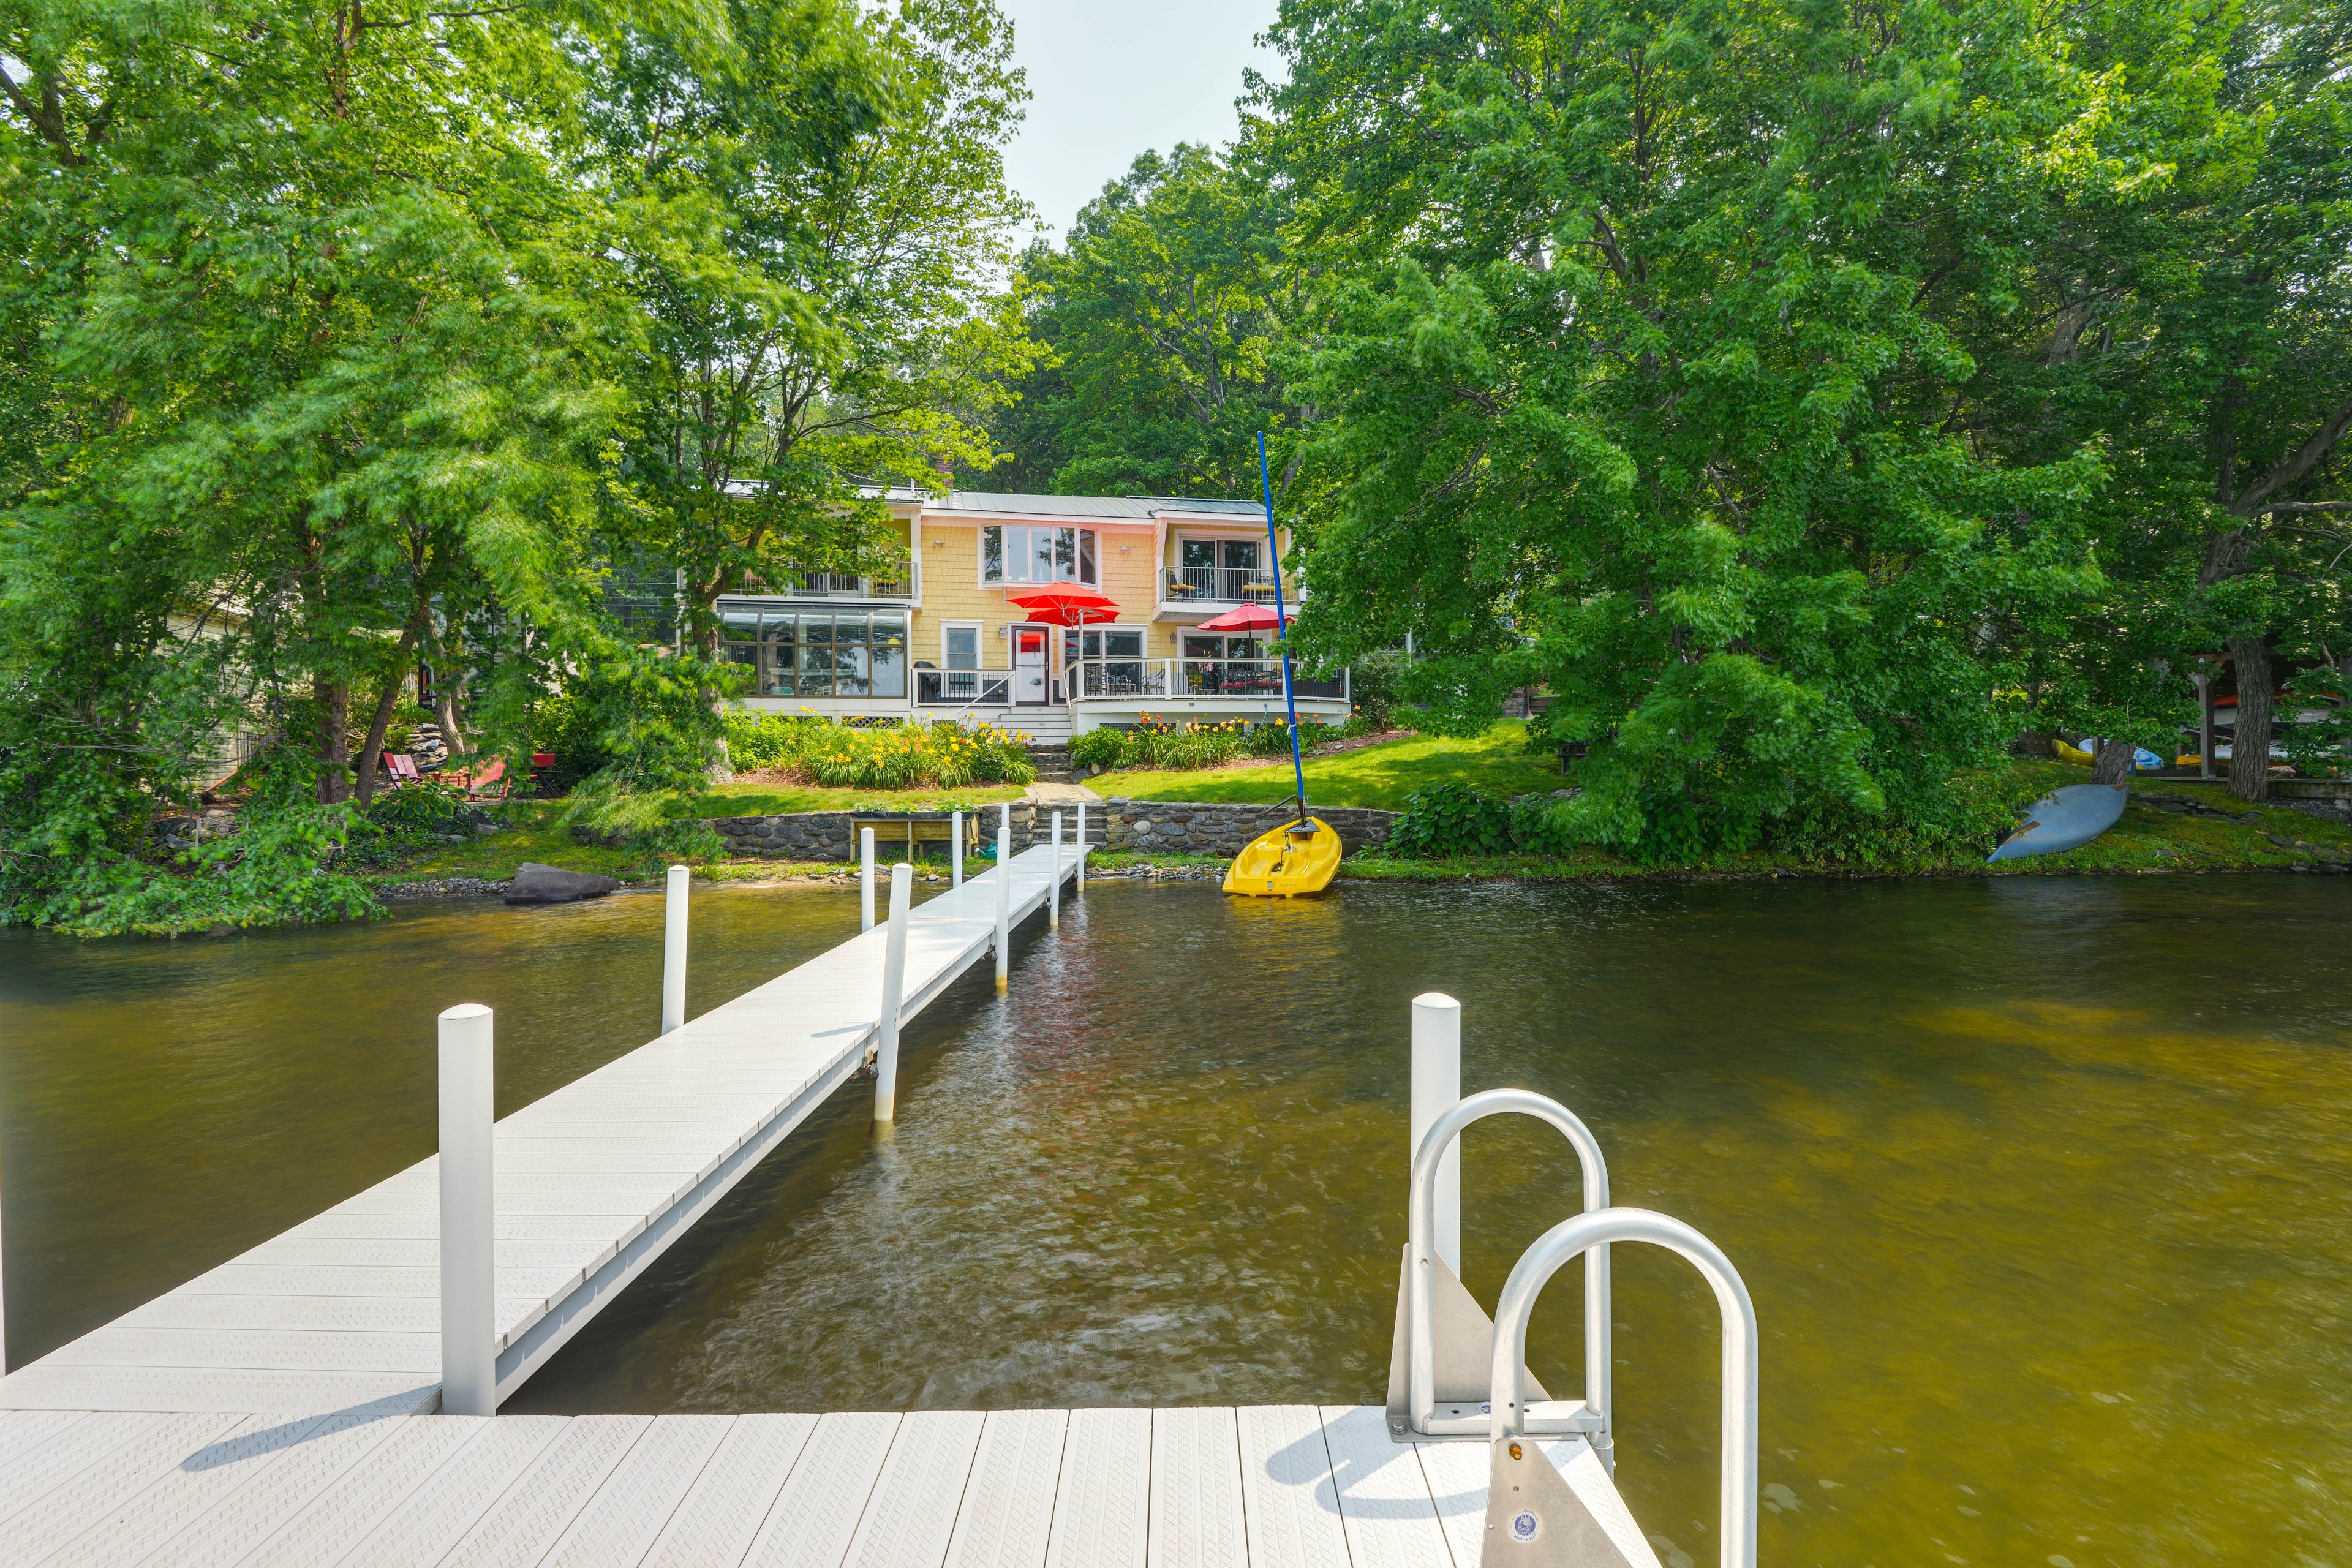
[
  {"x": 277, "y": 1409},
  {"x": 594, "y": 1182},
  {"x": 1284, "y": 1486}
]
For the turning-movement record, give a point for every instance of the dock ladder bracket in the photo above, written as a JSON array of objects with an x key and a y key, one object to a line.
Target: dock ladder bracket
[
  {"x": 1534, "y": 1516},
  {"x": 1440, "y": 1359}
]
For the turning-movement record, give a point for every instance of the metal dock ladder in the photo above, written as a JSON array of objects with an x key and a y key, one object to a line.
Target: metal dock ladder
[{"x": 1454, "y": 1375}]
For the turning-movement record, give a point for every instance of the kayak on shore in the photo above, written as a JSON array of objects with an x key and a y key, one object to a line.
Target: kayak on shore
[{"x": 2064, "y": 819}]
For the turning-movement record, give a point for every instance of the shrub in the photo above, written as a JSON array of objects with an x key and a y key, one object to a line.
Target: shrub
[
  {"x": 1160, "y": 744},
  {"x": 1273, "y": 739},
  {"x": 769, "y": 740},
  {"x": 1538, "y": 827},
  {"x": 425, "y": 804},
  {"x": 570, "y": 728},
  {"x": 1105, "y": 748},
  {"x": 1372, "y": 682},
  {"x": 1451, "y": 819},
  {"x": 907, "y": 755}
]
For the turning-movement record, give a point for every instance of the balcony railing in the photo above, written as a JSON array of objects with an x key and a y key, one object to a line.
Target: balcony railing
[
  {"x": 831, "y": 585},
  {"x": 963, "y": 688},
  {"x": 1218, "y": 585},
  {"x": 1251, "y": 679}
]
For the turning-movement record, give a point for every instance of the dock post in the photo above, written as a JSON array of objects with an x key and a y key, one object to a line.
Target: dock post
[
  {"x": 955, "y": 838},
  {"x": 894, "y": 989},
  {"x": 1082, "y": 848},
  {"x": 1436, "y": 1088},
  {"x": 866, "y": 880},
  {"x": 1054, "y": 895},
  {"x": 1004, "y": 898},
  {"x": 469, "y": 1382},
  {"x": 674, "y": 953}
]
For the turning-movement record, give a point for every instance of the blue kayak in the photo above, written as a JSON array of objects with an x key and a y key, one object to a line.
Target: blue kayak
[{"x": 2063, "y": 819}]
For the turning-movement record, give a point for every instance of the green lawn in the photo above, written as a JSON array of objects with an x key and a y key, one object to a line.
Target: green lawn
[{"x": 1379, "y": 775}]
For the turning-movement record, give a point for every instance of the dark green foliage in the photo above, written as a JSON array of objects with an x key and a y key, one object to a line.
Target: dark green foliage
[
  {"x": 1968, "y": 818},
  {"x": 1103, "y": 747},
  {"x": 2321, "y": 745},
  {"x": 572, "y": 729},
  {"x": 1451, "y": 819},
  {"x": 1164, "y": 319},
  {"x": 770, "y": 740},
  {"x": 1374, "y": 678}
]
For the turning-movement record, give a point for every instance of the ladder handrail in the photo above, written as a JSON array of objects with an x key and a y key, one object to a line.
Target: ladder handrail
[
  {"x": 1420, "y": 1351},
  {"x": 1565, "y": 1240}
]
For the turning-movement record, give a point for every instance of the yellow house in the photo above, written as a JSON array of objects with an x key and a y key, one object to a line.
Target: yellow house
[{"x": 942, "y": 640}]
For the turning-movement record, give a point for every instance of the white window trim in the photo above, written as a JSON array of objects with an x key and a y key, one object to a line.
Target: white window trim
[
  {"x": 979, "y": 641},
  {"x": 1185, "y": 535},
  {"x": 979, "y": 555}
]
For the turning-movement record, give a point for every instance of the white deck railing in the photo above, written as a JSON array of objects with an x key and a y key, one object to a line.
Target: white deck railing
[{"x": 1240, "y": 679}]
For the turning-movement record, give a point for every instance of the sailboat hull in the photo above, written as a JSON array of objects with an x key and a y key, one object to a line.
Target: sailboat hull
[{"x": 1286, "y": 862}]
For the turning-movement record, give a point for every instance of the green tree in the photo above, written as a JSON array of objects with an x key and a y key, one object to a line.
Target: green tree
[
  {"x": 2186, "y": 305},
  {"x": 1165, "y": 318},
  {"x": 825, "y": 290},
  {"x": 1630, "y": 387},
  {"x": 316, "y": 334}
]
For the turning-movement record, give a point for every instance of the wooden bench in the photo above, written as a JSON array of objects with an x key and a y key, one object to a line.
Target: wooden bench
[{"x": 912, "y": 831}]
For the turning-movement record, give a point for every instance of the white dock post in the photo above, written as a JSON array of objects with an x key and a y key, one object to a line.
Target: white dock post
[
  {"x": 469, "y": 1382},
  {"x": 866, "y": 880},
  {"x": 1082, "y": 848},
  {"x": 955, "y": 838},
  {"x": 894, "y": 989},
  {"x": 1054, "y": 898},
  {"x": 1436, "y": 1087},
  {"x": 674, "y": 953},
  {"x": 1004, "y": 898}
]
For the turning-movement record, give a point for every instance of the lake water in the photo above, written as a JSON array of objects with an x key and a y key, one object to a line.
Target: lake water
[{"x": 2042, "y": 1186}]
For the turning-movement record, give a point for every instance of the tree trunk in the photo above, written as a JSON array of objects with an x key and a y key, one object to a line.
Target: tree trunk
[
  {"x": 335, "y": 699},
  {"x": 444, "y": 711},
  {"x": 372, "y": 750},
  {"x": 2250, "y": 743},
  {"x": 2113, "y": 763}
]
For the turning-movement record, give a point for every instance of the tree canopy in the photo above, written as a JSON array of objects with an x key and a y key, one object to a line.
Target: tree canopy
[{"x": 339, "y": 337}]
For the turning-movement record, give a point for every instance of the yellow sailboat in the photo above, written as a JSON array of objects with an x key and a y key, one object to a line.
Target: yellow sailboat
[
  {"x": 1302, "y": 856},
  {"x": 1297, "y": 858}
]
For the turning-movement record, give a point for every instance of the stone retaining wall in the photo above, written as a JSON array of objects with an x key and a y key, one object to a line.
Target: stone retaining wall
[
  {"x": 1209, "y": 827},
  {"x": 827, "y": 835}
]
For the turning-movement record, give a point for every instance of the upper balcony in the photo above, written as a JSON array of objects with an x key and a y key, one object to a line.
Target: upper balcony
[
  {"x": 1210, "y": 586},
  {"x": 834, "y": 585}
]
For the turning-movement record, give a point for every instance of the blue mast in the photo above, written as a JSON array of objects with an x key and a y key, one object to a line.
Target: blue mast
[{"x": 1282, "y": 622}]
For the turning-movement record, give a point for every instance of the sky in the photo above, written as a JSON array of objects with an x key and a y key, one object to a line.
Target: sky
[{"x": 1111, "y": 79}]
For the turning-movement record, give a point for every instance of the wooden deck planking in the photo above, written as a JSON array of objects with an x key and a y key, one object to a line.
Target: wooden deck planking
[
  {"x": 1270, "y": 1486},
  {"x": 594, "y": 1182}
]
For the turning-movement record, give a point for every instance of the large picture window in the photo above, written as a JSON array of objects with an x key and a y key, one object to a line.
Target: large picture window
[
  {"x": 821, "y": 653},
  {"x": 1016, "y": 554}
]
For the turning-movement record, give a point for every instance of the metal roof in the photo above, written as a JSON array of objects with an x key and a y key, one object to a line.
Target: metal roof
[{"x": 1138, "y": 507}]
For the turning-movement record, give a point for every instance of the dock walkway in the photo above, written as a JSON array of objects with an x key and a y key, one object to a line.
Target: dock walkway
[
  {"x": 276, "y": 1410},
  {"x": 1286, "y": 1486},
  {"x": 594, "y": 1182}
]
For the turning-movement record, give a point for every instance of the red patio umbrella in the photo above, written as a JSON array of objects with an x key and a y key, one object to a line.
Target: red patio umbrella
[
  {"x": 1248, "y": 618},
  {"x": 1066, "y": 604}
]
